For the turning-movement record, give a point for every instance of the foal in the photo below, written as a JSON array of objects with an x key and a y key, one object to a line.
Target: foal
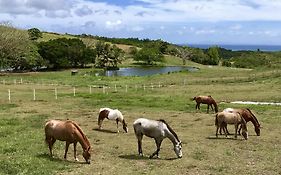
[
  {"x": 159, "y": 130},
  {"x": 224, "y": 118},
  {"x": 206, "y": 100},
  {"x": 112, "y": 114}
]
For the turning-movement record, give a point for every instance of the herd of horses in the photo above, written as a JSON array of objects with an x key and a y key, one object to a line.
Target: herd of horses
[{"x": 70, "y": 132}]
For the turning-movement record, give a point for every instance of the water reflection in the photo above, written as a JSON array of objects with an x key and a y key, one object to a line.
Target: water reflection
[{"x": 144, "y": 71}]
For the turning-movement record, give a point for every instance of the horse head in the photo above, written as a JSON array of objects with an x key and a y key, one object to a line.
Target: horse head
[
  {"x": 177, "y": 149},
  {"x": 258, "y": 131},
  {"x": 87, "y": 155}
]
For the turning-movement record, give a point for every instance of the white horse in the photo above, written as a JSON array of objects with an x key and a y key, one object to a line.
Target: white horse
[
  {"x": 112, "y": 114},
  {"x": 159, "y": 130}
]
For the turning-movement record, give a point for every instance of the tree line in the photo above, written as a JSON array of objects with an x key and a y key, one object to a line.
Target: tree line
[{"x": 21, "y": 50}]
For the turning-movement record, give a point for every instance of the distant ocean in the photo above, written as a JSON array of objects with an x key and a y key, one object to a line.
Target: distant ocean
[{"x": 268, "y": 48}]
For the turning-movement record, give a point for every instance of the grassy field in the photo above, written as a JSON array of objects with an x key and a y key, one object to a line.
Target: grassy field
[{"x": 22, "y": 120}]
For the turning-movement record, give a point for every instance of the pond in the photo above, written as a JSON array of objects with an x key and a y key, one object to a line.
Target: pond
[{"x": 144, "y": 71}]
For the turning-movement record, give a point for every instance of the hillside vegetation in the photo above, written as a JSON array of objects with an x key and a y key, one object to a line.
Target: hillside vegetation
[{"x": 33, "y": 50}]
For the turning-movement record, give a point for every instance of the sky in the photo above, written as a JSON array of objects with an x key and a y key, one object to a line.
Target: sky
[{"x": 253, "y": 22}]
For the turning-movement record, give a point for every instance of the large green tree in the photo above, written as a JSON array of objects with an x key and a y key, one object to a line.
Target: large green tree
[
  {"x": 149, "y": 55},
  {"x": 16, "y": 50},
  {"x": 213, "y": 54},
  {"x": 65, "y": 53},
  {"x": 34, "y": 33},
  {"x": 108, "y": 56}
]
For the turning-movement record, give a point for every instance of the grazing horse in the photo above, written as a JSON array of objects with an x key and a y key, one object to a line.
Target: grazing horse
[
  {"x": 157, "y": 129},
  {"x": 248, "y": 116},
  {"x": 206, "y": 100},
  {"x": 224, "y": 118},
  {"x": 70, "y": 132},
  {"x": 112, "y": 114}
]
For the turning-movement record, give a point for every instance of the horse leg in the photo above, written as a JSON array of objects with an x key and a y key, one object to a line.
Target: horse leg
[
  {"x": 225, "y": 126},
  {"x": 74, "y": 146},
  {"x": 66, "y": 149},
  {"x": 212, "y": 107},
  {"x": 50, "y": 142},
  {"x": 100, "y": 120},
  {"x": 117, "y": 125},
  {"x": 158, "y": 144},
  {"x": 236, "y": 128},
  {"x": 239, "y": 129},
  {"x": 208, "y": 108},
  {"x": 140, "y": 144},
  {"x": 217, "y": 130}
]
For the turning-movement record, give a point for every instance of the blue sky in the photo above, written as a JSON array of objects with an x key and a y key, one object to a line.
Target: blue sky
[{"x": 177, "y": 21}]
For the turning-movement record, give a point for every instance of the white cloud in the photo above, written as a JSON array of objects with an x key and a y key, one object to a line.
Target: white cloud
[{"x": 113, "y": 25}]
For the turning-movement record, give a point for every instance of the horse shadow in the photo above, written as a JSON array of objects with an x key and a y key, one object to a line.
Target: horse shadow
[
  {"x": 222, "y": 138},
  {"x": 104, "y": 130},
  {"x": 56, "y": 159},
  {"x": 137, "y": 157}
]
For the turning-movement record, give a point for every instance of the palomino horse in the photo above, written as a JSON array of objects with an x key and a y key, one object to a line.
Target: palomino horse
[
  {"x": 224, "y": 118},
  {"x": 112, "y": 114},
  {"x": 248, "y": 116},
  {"x": 206, "y": 100},
  {"x": 70, "y": 132},
  {"x": 157, "y": 129}
]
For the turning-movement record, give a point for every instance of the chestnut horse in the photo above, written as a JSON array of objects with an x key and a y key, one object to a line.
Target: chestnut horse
[
  {"x": 206, "y": 100},
  {"x": 157, "y": 129},
  {"x": 112, "y": 114},
  {"x": 248, "y": 116},
  {"x": 70, "y": 132},
  {"x": 224, "y": 118}
]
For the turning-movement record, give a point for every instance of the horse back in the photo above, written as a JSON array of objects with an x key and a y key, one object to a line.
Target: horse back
[
  {"x": 150, "y": 128},
  {"x": 229, "y": 118},
  {"x": 60, "y": 130}
]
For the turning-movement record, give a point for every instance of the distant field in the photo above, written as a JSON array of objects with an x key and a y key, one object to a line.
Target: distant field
[{"x": 23, "y": 150}]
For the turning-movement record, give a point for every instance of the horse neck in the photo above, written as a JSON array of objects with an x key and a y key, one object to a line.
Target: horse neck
[
  {"x": 172, "y": 135},
  {"x": 82, "y": 139},
  {"x": 253, "y": 119}
]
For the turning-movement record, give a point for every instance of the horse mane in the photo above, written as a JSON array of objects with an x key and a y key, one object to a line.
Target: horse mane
[
  {"x": 254, "y": 117},
  {"x": 81, "y": 132},
  {"x": 171, "y": 130}
]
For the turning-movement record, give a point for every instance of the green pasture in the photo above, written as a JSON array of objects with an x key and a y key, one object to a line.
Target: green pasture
[{"x": 167, "y": 96}]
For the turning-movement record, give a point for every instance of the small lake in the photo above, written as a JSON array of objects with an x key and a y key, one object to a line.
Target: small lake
[{"x": 144, "y": 71}]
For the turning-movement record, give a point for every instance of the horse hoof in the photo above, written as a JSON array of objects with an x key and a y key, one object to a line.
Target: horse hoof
[{"x": 77, "y": 160}]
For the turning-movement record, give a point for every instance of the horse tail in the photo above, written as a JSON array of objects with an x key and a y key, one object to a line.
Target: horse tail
[
  {"x": 81, "y": 132},
  {"x": 254, "y": 117},
  {"x": 216, "y": 120},
  {"x": 171, "y": 130}
]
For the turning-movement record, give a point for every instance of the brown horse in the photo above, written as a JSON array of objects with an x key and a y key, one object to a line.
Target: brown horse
[
  {"x": 70, "y": 132},
  {"x": 224, "y": 118},
  {"x": 206, "y": 100},
  {"x": 248, "y": 116}
]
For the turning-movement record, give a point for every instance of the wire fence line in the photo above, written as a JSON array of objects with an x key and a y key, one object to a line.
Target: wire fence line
[{"x": 37, "y": 90}]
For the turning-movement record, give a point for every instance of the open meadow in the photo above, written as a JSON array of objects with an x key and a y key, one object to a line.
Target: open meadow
[{"x": 38, "y": 97}]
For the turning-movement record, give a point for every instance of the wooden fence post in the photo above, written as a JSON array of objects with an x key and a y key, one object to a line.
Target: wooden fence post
[
  {"x": 9, "y": 95},
  {"x": 56, "y": 94}
]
